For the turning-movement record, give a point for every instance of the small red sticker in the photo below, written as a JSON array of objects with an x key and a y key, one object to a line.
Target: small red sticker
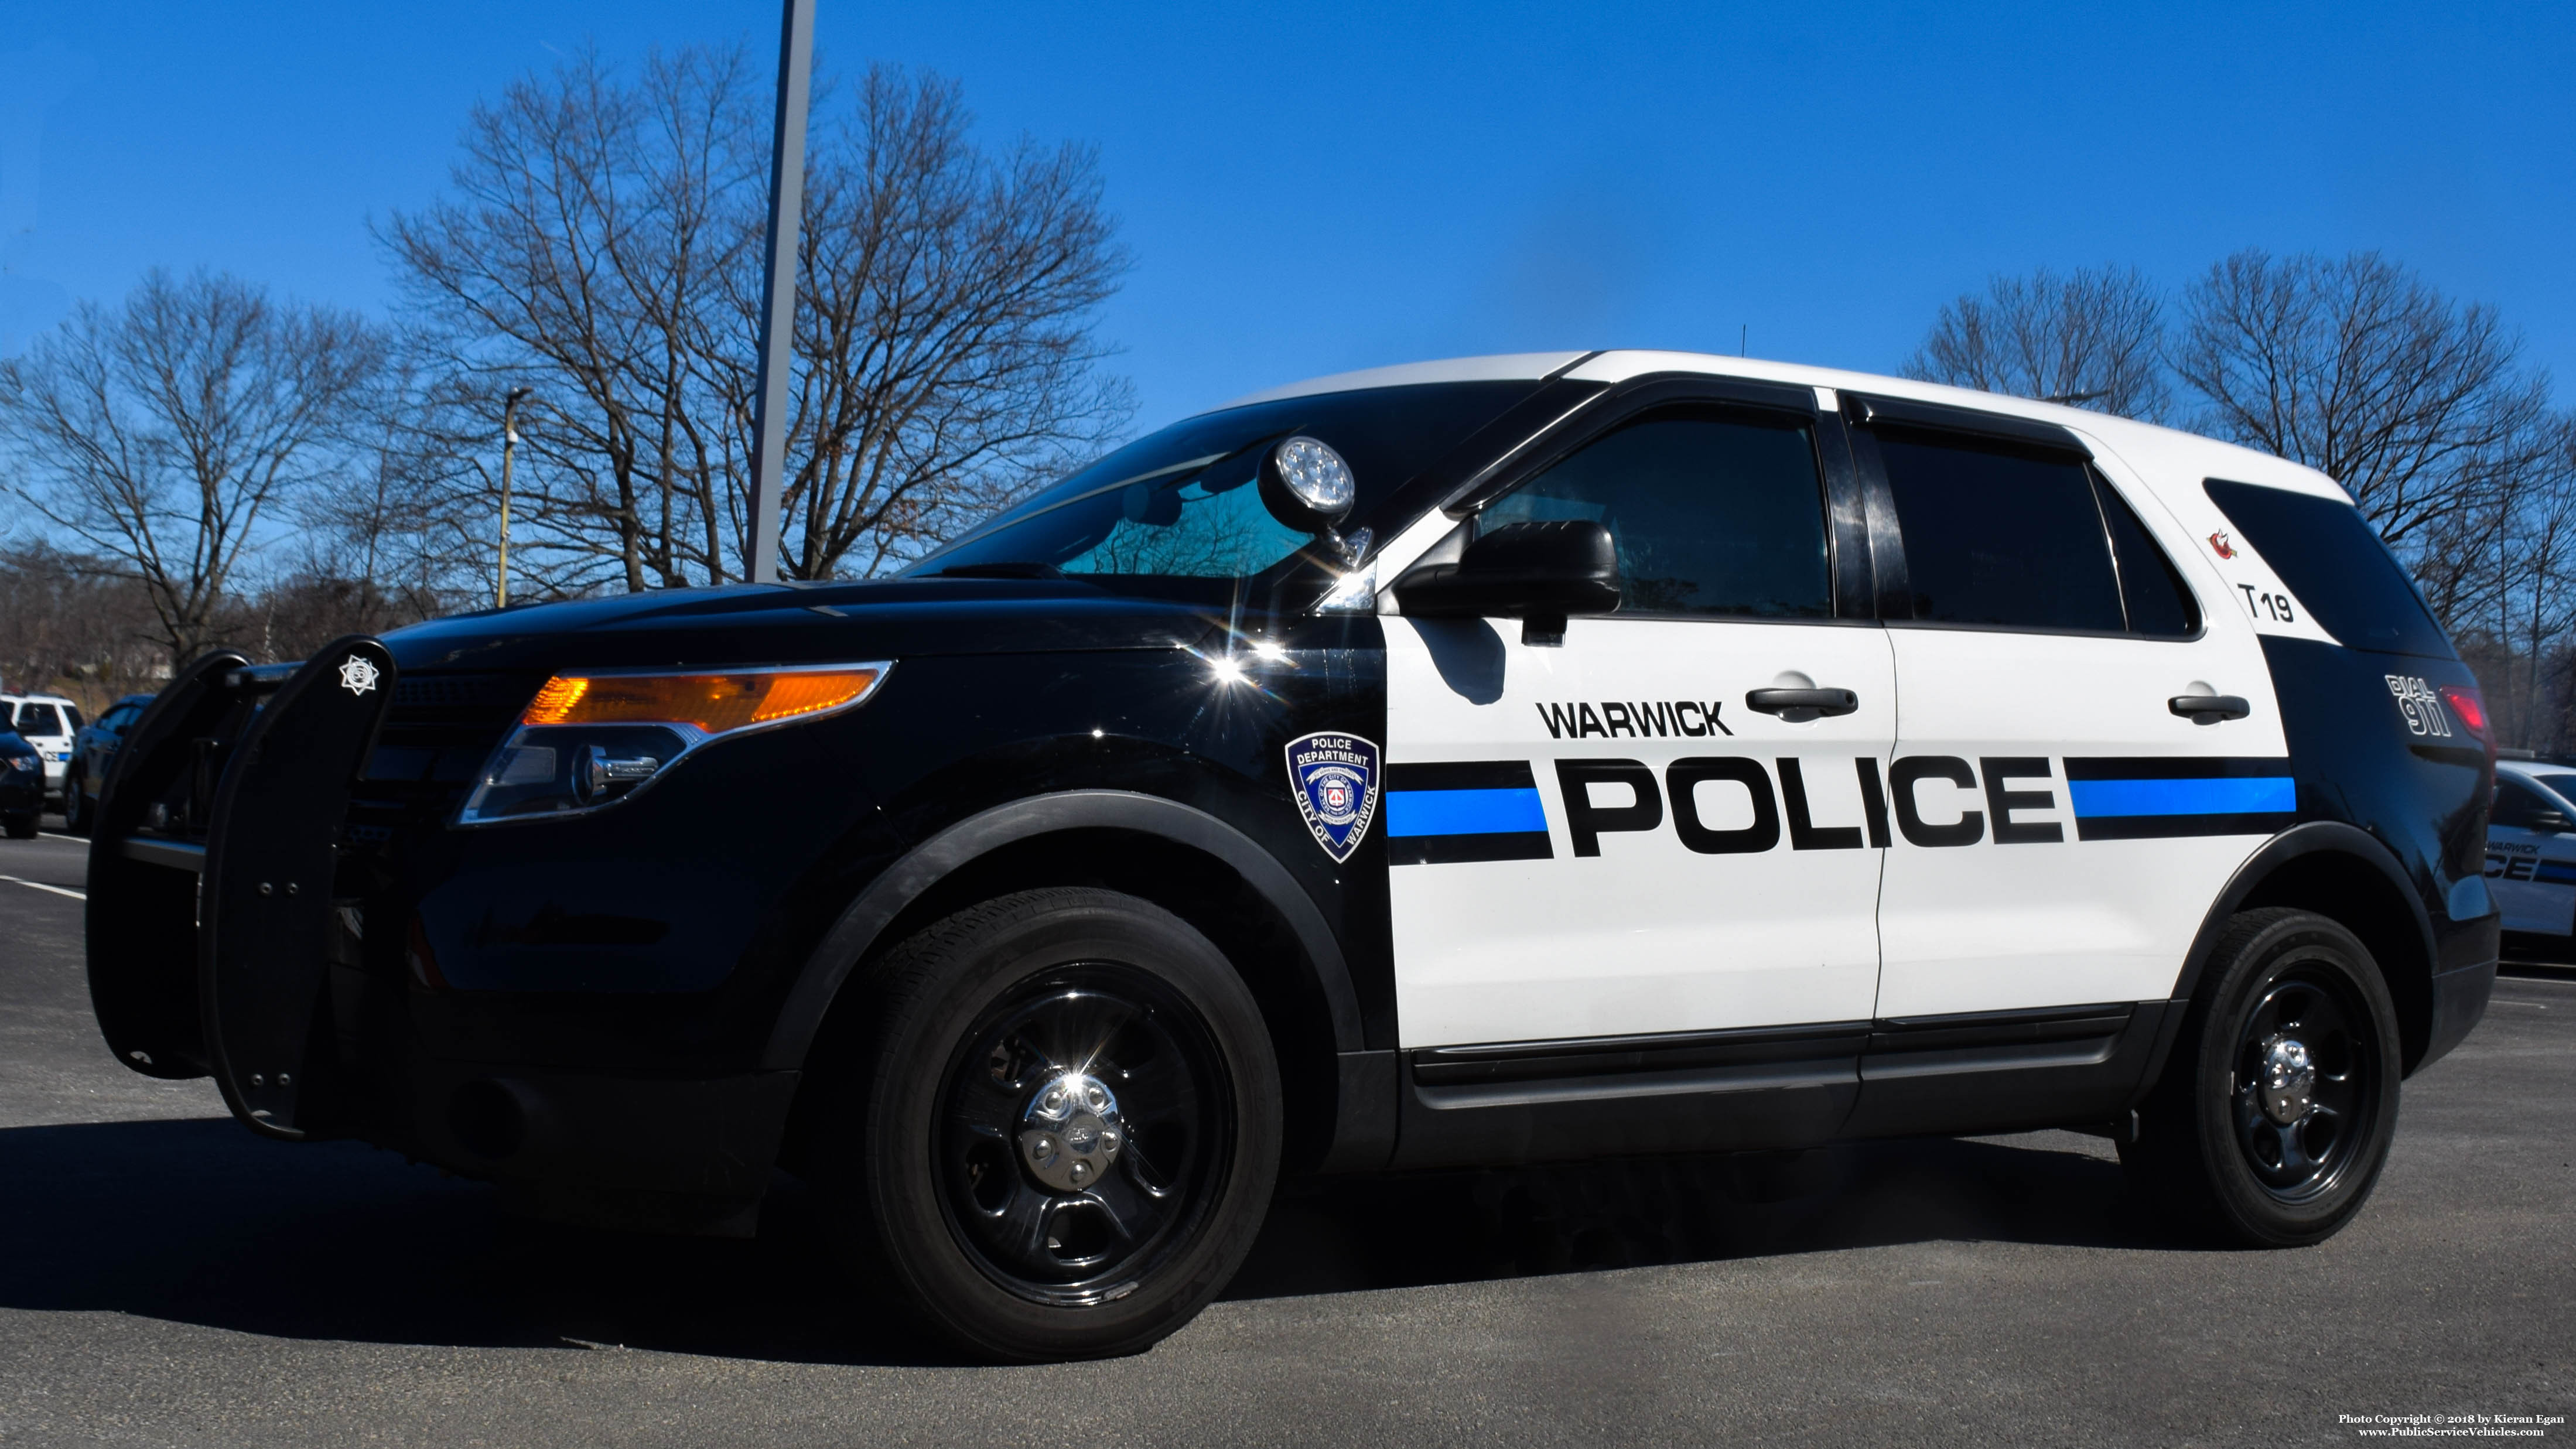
[{"x": 2219, "y": 541}]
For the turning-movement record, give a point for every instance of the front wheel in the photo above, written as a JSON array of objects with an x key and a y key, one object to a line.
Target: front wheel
[
  {"x": 20, "y": 827},
  {"x": 2275, "y": 1114},
  {"x": 1066, "y": 1132}
]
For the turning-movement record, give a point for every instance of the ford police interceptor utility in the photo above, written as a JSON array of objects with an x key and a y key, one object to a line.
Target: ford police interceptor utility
[{"x": 1469, "y": 763}]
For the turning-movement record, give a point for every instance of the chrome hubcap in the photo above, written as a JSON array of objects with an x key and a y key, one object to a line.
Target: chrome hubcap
[
  {"x": 1071, "y": 1132},
  {"x": 2289, "y": 1080}
]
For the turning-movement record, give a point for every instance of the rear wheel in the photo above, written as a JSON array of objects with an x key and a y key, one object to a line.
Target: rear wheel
[
  {"x": 1066, "y": 1133},
  {"x": 75, "y": 807},
  {"x": 2275, "y": 1114}
]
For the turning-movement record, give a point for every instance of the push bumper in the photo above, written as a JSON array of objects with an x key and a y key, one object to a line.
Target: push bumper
[{"x": 226, "y": 938}]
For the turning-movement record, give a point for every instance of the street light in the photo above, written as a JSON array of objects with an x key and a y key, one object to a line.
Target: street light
[
  {"x": 778, "y": 322},
  {"x": 509, "y": 447}
]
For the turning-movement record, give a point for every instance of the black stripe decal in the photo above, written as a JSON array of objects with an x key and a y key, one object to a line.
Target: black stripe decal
[
  {"x": 1466, "y": 849},
  {"x": 2173, "y": 767},
  {"x": 1462, "y": 775},
  {"x": 2167, "y": 827}
]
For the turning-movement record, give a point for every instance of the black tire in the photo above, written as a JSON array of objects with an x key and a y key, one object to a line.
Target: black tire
[
  {"x": 2274, "y": 1116},
  {"x": 20, "y": 827},
  {"x": 1007, "y": 1051},
  {"x": 75, "y": 807}
]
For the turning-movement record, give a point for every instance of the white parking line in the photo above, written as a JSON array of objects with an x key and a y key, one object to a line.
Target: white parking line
[
  {"x": 74, "y": 839},
  {"x": 38, "y": 885}
]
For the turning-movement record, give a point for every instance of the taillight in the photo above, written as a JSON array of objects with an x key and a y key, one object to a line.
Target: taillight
[{"x": 2470, "y": 707}]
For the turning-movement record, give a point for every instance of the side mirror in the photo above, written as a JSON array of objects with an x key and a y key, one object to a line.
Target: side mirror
[
  {"x": 2553, "y": 821},
  {"x": 1538, "y": 573}
]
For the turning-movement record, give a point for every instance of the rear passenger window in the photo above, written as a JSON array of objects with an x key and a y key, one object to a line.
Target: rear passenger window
[
  {"x": 2335, "y": 564},
  {"x": 2151, "y": 587},
  {"x": 39, "y": 719},
  {"x": 2000, "y": 535},
  {"x": 1716, "y": 511}
]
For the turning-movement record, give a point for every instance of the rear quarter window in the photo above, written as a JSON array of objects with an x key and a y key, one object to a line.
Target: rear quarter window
[{"x": 2334, "y": 562}]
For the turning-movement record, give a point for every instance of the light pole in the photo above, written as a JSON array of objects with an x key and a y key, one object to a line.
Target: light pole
[
  {"x": 509, "y": 447},
  {"x": 778, "y": 321}
]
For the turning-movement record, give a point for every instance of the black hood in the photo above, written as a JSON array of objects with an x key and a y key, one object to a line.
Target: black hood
[{"x": 814, "y": 623}]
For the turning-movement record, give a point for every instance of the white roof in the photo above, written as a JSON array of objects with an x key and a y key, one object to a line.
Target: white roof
[
  {"x": 1504, "y": 367},
  {"x": 2156, "y": 448}
]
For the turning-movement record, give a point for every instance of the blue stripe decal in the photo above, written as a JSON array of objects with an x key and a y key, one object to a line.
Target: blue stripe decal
[
  {"x": 2555, "y": 872},
  {"x": 2257, "y": 795},
  {"x": 1463, "y": 812}
]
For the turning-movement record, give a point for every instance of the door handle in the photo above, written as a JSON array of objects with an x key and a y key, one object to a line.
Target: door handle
[
  {"x": 1822, "y": 701},
  {"x": 2209, "y": 708}
]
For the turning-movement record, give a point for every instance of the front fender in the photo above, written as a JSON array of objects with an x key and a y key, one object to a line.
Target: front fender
[{"x": 860, "y": 927}]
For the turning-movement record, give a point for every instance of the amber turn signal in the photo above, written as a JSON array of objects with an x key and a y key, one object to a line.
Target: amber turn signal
[{"x": 710, "y": 703}]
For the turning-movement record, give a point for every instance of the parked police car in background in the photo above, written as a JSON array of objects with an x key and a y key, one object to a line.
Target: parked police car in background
[
  {"x": 1475, "y": 762},
  {"x": 2531, "y": 849},
  {"x": 22, "y": 786},
  {"x": 93, "y": 751},
  {"x": 47, "y": 721}
]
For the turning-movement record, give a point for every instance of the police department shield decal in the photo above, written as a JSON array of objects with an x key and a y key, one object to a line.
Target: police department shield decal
[{"x": 1334, "y": 777}]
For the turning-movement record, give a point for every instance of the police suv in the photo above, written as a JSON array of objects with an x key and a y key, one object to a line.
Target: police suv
[{"x": 1479, "y": 762}]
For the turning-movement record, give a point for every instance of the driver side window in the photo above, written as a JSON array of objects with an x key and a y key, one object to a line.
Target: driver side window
[
  {"x": 2518, "y": 806},
  {"x": 1717, "y": 511}
]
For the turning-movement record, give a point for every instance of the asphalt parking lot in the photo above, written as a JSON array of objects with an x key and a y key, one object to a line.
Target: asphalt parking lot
[{"x": 169, "y": 1279}]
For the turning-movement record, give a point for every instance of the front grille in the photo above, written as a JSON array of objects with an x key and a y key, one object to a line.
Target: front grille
[
  {"x": 450, "y": 711},
  {"x": 441, "y": 729}
]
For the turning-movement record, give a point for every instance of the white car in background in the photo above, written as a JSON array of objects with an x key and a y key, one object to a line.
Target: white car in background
[
  {"x": 47, "y": 721},
  {"x": 2531, "y": 847}
]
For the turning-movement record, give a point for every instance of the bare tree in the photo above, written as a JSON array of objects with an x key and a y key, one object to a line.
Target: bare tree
[
  {"x": 944, "y": 331},
  {"x": 400, "y": 537},
  {"x": 602, "y": 246},
  {"x": 67, "y": 621},
  {"x": 592, "y": 224},
  {"x": 2419, "y": 407},
  {"x": 2092, "y": 337},
  {"x": 161, "y": 433},
  {"x": 2536, "y": 603}
]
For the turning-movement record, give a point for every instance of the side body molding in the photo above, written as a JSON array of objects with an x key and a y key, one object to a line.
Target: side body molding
[{"x": 859, "y": 927}]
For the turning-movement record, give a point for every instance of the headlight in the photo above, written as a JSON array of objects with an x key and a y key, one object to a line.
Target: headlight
[
  {"x": 23, "y": 762},
  {"x": 591, "y": 739}
]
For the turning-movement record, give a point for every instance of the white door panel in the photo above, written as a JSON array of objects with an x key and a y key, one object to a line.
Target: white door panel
[
  {"x": 2090, "y": 871},
  {"x": 1662, "y": 917}
]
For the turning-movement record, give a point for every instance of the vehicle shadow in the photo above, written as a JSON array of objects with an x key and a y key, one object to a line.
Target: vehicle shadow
[{"x": 196, "y": 1221}]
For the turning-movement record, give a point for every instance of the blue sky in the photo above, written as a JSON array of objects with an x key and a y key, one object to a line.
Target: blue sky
[{"x": 1308, "y": 189}]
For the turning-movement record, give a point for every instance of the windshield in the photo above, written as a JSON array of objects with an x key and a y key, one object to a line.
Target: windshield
[{"x": 1181, "y": 502}]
